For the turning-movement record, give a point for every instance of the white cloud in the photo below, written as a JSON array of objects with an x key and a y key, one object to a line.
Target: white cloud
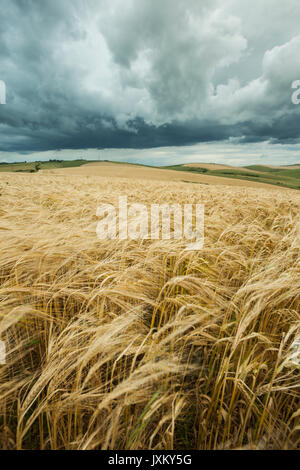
[
  {"x": 170, "y": 52},
  {"x": 266, "y": 98},
  {"x": 229, "y": 152}
]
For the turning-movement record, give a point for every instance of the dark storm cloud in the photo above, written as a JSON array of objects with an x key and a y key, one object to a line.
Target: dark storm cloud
[{"x": 139, "y": 74}]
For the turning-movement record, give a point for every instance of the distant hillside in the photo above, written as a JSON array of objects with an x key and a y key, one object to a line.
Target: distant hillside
[
  {"x": 32, "y": 167},
  {"x": 288, "y": 177},
  {"x": 285, "y": 176}
]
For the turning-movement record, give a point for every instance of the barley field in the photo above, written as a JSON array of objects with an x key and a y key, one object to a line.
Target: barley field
[{"x": 142, "y": 344}]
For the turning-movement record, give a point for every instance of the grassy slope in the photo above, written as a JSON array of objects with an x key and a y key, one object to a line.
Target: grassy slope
[
  {"x": 280, "y": 177},
  {"x": 30, "y": 166}
]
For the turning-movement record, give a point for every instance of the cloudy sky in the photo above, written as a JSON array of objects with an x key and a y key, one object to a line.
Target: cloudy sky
[{"x": 155, "y": 81}]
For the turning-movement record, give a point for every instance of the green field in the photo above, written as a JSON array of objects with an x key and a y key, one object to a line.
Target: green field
[
  {"x": 276, "y": 176},
  {"x": 33, "y": 167}
]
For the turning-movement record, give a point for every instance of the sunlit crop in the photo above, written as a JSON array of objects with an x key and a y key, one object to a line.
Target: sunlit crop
[{"x": 141, "y": 344}]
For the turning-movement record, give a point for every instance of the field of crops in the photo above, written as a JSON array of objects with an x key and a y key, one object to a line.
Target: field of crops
[
  {"x": 204, "y": 173},
  {"x": 141, "y": 344}
]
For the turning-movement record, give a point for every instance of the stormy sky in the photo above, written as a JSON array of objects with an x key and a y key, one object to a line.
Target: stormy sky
[{"x": 189, "y": 78}]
